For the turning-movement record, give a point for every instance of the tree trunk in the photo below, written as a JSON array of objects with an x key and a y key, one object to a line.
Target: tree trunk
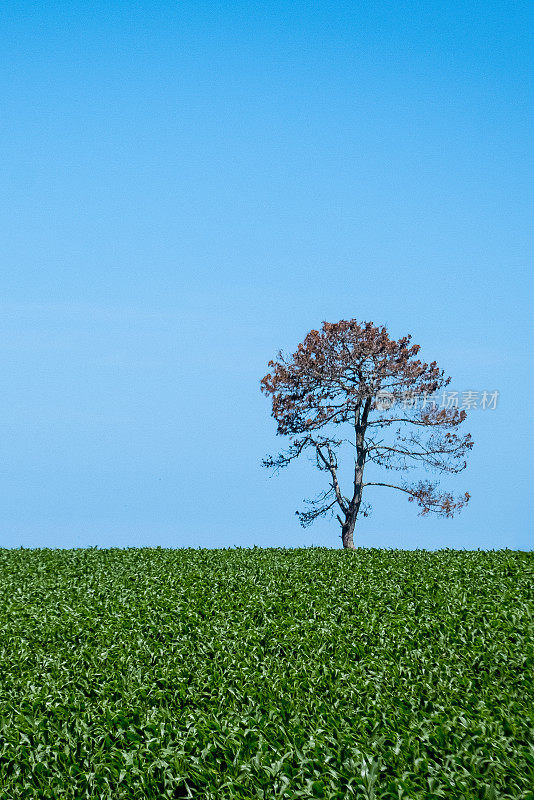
[{"x": 347, "y": 533}]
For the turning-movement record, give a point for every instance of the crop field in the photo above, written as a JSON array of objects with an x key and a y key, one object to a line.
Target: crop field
[{"x": 263, "y": 673}]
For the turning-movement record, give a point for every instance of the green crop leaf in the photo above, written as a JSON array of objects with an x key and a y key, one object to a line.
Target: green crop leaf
[{"x": 253, "y": 674}]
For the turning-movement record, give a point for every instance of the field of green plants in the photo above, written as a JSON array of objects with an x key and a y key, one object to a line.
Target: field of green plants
[{"x": 220, "y": 674}]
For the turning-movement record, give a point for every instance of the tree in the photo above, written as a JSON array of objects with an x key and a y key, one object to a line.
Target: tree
[{"x": 347, "y": 386}]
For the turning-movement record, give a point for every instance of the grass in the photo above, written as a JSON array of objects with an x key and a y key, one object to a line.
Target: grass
[{"x": 152, "y": 673}]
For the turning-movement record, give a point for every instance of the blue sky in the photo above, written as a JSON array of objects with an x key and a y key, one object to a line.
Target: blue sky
[{"x": 189, "y": 187}]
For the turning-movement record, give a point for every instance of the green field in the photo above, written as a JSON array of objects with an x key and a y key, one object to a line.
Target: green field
[{"x": 152, "y": 673}]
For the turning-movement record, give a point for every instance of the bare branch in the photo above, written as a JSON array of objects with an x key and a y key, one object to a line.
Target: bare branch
[
  {"x": 428, "y": 498},
  {"x": 331, "y": 467}
]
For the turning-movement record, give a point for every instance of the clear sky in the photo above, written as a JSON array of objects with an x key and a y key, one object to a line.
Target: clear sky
[{"x": 190, "y": 186}]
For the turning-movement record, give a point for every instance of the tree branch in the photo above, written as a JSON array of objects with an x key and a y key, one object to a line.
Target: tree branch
[{"x": 331, "y": 468}]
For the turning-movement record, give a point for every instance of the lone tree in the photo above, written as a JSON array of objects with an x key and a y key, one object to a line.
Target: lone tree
[{"x": 351, "y": 385}]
